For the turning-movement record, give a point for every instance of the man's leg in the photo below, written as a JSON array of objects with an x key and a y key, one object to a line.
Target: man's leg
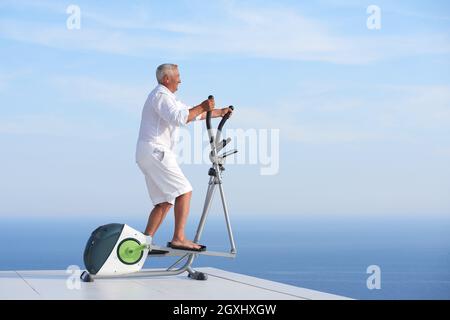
[
  {"x": 156, "y": 217},
  {"x": 182, "y": 204}
]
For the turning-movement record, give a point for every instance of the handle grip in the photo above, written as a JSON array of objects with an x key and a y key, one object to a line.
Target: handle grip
[
  {"x": 221, "y": 124},
  {"x": 224, "y": 119},
  {"x": 208, "y": 115}
]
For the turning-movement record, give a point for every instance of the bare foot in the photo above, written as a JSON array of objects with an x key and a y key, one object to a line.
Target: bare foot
[{"x": 185, "y": 243}]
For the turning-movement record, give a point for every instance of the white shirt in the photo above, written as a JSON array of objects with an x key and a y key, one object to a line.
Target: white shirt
[{"x": 161, "y": 116}]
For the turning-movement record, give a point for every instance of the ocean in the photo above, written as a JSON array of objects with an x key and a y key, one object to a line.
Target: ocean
[{"x": 326, "y": 253}]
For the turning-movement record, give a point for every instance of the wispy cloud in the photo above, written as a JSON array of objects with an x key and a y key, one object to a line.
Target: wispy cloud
[
  {"x": 399, "y": 8},
  {"x": 414, "y": 106},
  {"x": 401, "y": 114},
  {"x": 56, "y": 126},
  {"x": 110, "y": 94},
  {"x": 312, "y": 133},
  {"x": 3, "y": 82},
  {"x": 7, "y": 77},
  {"x": 270, "y": 32}
]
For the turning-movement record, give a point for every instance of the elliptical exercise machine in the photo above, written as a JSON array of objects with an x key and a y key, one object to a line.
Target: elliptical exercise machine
[{"x": 117, "y": 250}]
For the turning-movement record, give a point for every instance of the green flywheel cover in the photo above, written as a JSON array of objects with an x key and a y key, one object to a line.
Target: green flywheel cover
[{"x": 130, "y": 251}]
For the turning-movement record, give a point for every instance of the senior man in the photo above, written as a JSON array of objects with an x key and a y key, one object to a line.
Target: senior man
[{"x": 166, "y": 184}]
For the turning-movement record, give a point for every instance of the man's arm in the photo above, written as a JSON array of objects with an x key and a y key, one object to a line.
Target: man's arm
[
  {"x": 207, "y": 105},
  {"x": 194, "y": 112},
  {"x": 215, "y": 113}
]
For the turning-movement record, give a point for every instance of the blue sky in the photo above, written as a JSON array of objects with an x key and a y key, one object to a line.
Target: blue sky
[{"x": 364, "y": 115}]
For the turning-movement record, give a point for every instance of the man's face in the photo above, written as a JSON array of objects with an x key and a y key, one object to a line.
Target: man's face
[{"x": 172, "y": 81}]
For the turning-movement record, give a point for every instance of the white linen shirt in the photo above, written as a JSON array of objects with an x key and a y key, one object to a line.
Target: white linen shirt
[{"x": 162, "y": 114}]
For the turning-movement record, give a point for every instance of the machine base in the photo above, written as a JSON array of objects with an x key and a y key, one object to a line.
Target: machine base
[
  {"x": 86, "y": 277},
  {"x": 198, "y": 275}
]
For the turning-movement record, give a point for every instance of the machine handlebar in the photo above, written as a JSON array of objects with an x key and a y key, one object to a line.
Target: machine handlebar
[{"x": 221, "y": 124}]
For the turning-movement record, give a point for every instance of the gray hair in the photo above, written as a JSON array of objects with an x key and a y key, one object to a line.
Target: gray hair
[{"x": 165, "y": 69}]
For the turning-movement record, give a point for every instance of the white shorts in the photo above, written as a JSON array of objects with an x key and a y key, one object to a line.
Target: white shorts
[{"x": 164, "y": 178}]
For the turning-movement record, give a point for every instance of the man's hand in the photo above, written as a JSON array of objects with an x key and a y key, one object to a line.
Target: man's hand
[
  {"x": 208, "y": 105},
  {"x": 224, "y": 111},
  {"x": 199, "y": 112}
]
